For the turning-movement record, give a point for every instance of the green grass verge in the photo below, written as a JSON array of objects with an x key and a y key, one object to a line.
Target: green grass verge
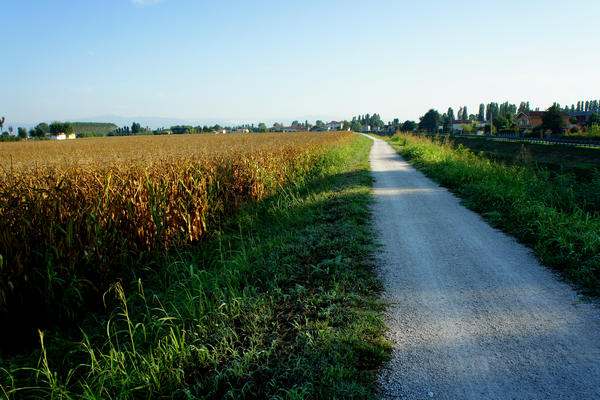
[
  {"x": 281, "y": 304},
  {"x": 583, "y": 162},
  {"x": 540, "y": 209}
]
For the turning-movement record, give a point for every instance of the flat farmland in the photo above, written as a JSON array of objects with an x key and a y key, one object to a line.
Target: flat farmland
[
  {"x": 74, "y": 215},
  {"x": 111, "y": 151},
  {"x": 190, "y": 267}
]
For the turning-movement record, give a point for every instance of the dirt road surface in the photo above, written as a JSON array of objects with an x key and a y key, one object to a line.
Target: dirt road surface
[{"x": 472, "y": 314}]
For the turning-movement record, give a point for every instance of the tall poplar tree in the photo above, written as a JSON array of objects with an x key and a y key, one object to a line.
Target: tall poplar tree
[
  {"x": 450, "y": 113},
  {"x": 481, "y": 114}
]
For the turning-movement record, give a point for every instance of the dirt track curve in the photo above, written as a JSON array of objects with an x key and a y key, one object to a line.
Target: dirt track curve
[{"x": 473, "y": 314}]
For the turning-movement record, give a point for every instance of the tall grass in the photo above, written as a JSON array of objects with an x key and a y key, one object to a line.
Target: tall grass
[
  {"x": 539, "y": 208},
  {"x": 278, "y": 303}
]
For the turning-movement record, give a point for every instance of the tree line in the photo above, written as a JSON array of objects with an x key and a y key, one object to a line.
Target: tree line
[
  {"x": 496, "y": 117},
  {"x": 493, "y": 116}
]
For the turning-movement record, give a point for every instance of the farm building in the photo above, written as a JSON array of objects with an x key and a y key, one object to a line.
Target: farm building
[
  {"x": 532, "y": 119},
  {"x": 333, "y": 126},
  {"x": 529, "y": 120},
  {"x": 63, "y": 136}
]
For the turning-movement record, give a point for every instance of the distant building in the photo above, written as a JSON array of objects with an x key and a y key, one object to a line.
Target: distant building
[
  {"x": 582, "y": 118},
  {"x": 457, "y": 124},
  {"x": 63, "y": 136},
  {"x": 333, "y": 126},
  {"x": 390, "y": 128},
  {"x": 529, "y": 120},
  {"x": 240, "y": 130}
]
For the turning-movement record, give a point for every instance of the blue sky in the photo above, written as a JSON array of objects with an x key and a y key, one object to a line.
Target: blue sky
[{"x": 249, "y": 61}]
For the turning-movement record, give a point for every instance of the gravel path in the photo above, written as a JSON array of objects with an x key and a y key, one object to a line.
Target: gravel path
[{"x": 473, "y": 315}]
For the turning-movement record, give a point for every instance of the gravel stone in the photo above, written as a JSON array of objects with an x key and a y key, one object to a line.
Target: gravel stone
[{"x": 472, "y": 314}]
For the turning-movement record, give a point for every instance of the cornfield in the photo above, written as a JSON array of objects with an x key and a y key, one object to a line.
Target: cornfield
[{"x": 75, "y": 216}]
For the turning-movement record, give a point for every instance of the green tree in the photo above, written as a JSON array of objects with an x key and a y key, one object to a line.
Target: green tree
[
  {"x": 481, "y": 114},
  {"x": 319, "y": 123},
  {"x": 508, "y": 110},
  {"x": 22, "y": 133},
  {"x": 356, "y": 126},
  {"x": 594, "y": 118},
  {"x": 430, "y": 121},
  {"x": 450, "y": 113},
  {"x": 42, "y": 129},
  {"x": 2, "y": 121},
  {"x": 501, "y": 123},
  {"x": 136, "y": 128},
  {"x": 295, "y": 123},
  {"x": 554, "y": 120},
  {"x": 376, "y": 121},
  {"x": 409, "y": 126},
  {"x": 262, "y": 127},
  {"x": 56, "y": 128},
  {"x": 446, "y": 123},
  {"x": 467, "y": 128},
  {"x": 492, "y": 111}
]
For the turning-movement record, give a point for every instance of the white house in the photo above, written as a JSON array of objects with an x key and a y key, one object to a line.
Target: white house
[
  {"x": 63, "y": 136},
  {"x": 333, "y": 126}
]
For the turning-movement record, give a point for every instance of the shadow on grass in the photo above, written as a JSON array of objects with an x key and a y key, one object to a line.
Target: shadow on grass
[{"x": 280, "y": 302}]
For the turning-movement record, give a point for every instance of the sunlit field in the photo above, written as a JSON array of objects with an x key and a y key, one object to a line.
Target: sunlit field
[
  {"x": 75, "y": 214},
  {"x": 189, "y": 267}
]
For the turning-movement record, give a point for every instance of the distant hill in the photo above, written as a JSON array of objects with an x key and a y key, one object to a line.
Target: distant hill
[{"x": 93, "y": 128}]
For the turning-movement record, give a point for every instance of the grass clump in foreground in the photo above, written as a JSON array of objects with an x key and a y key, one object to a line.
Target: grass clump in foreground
[
  {"x": 541, "y": 209},
  {"x": 281, "y": 303}
]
